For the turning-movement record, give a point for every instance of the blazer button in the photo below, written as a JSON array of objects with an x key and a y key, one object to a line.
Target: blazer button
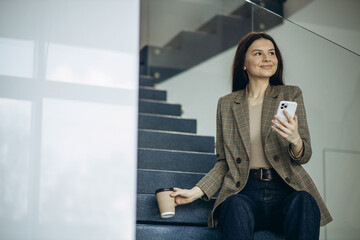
[
  {"x": 276, "y": 158},
  {"x": 218, "y": 155},
  {"x": 238, "y": 184},
  {"x": 287, "y": 180},
  {"x": 238, "y": 160}
]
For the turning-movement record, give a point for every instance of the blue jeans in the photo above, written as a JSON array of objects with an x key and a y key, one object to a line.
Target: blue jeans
[{"x": 269, "y": 205}]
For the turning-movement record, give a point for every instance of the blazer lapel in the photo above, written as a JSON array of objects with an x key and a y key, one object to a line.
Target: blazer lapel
[
  {"x": 268, "y": 111},
  {"x": 241, "y": 114}
]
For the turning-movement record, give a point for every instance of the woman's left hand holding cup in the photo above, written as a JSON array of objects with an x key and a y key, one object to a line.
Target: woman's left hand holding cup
[{"x": 185, "y": 196}]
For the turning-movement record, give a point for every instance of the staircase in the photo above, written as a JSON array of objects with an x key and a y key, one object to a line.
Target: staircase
[{"x": 170, "y": 154}]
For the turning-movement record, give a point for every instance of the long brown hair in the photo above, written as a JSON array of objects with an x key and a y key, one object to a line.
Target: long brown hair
[{"x": 240, "y": 77}]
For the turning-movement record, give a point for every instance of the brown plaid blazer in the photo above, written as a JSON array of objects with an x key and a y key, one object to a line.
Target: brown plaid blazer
[{"x": 233, "y": 143}]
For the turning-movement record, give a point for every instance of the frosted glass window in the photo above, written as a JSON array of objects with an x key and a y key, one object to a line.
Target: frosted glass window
[
  {"x": 85, "y": 165},
  {"x": 16, "y": 57},
  {"x": 15, "y": 117},
  {"x": 90, "y": 66}
]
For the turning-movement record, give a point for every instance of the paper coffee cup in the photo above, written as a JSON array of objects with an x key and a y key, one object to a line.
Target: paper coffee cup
[{"x": 165, "y": 202}]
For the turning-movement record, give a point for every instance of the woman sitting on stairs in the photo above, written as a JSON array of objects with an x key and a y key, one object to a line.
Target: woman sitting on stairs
[{"x": 259, "y": 155}]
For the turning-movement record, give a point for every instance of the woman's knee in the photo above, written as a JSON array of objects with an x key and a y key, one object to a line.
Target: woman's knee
[
  {"x": 302, "y": 197},
  {"x": 302, "y": 200},
  {"x": 237, "y": 211},
  {"x": 238, "y": 202}
]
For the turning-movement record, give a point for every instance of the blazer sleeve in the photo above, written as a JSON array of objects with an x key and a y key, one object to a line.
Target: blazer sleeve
[
  {"x": 303, "y": 129},
  {"x": 212, "y": 181}
]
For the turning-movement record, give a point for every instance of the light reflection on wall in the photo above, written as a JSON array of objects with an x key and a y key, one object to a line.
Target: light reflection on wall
[
  {"x": 16, "y": 57},
  {"x": 14, "y": 158},
  {"x": 90, "y": 66},
  {"x": 80, "y": 141}
]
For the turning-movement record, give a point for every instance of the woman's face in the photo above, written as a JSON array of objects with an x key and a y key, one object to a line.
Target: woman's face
[{"x": 260, "y": 59}]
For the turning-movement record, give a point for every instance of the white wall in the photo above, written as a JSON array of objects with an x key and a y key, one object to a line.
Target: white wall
[
  {"x": 199, "y": 89},
  {"x": 336, "y": 20},
  {"x": 68, "y": 119}
]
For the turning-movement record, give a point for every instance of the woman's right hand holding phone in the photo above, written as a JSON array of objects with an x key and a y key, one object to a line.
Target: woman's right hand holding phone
[{"x": 185, "y": 196}]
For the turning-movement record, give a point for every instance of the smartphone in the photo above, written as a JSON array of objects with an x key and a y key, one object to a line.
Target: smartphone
[{"x": 290, "y": 108}]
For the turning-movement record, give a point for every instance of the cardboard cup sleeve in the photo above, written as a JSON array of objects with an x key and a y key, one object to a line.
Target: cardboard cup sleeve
[{"x": 165, "y": 202}]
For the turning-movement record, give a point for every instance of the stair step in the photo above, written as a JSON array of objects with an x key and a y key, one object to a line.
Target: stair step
[
  {"x": 160, "y": 56},
  {"x": 175, "y": 160},
  {"x": 166, "y": 232},
  {"x": 174, "y": 232},
  {"x": 163, "y": 72},
  {"x": 175, "y": 141},
  {"x": 233, "y": 27},
  {"x": 148, "y": 181},
  {"x": 191, "y": 40},
  {"x": 166, "y": 123},
  {"x": 159, "y": 107},
  {"x": 147, "y": 81},
  {"x": 169, "y": 232},
  {"x": 218, "y": 23},
  {"x": 245, "y": 10},
  {"x": 196, "y": 213},
  {"x": 152, "y": 93}
]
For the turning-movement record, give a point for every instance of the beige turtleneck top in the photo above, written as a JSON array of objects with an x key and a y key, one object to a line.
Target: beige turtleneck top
[{"x": 257, "y": 155}]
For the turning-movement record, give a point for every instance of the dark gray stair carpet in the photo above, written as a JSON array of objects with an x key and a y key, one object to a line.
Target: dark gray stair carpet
[
  {"x": 172, "y": 160},
  {"x": 175, "y": 141},
  {"x": 152, "y": 232},
  {"x": 196, "y": 213},
  {"x": 173, "y": 232},
  {"x": 159, "y": 107},
  {"x": 147, "y": 81},
  {"x": 166, "y": 123},
  {"x": 151, "y": 180},
  {"x": 152, "y": 93}
]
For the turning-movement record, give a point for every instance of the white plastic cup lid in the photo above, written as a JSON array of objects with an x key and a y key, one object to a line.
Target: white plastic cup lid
[{"x": 167, "y": 214}]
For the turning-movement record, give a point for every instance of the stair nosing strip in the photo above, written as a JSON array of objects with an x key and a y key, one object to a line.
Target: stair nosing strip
[
  {"x": 152, "y": 88},
  {"x": 178, "y": 133},
  {"x": 165, "y": 223},
  {"x": 150, "y": 194},
  {"x": 231, "y": 15},
  {"x": 146, "y": 76},
  {"x": 156, "y": 101},
  {"x": 169, "y": 171},
  {"x": 198, "y": 32},
  {"x": 165, "y": 116},
  {"x": 175, "y": 132},
  {"x": 176, "y": 151}
]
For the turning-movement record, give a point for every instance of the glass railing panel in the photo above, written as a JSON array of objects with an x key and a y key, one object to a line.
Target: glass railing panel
[{"x": 329, "y": 76}]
